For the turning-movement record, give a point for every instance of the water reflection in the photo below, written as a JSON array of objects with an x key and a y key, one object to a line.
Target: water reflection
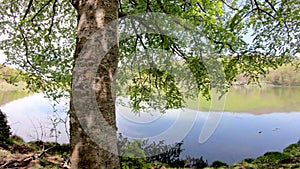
[
  {"x": 30, "y": 118},
  {"x": 238, "y": 136},
  {"x": 257, "y": 100}
]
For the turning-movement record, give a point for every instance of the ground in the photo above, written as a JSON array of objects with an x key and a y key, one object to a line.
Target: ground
[
  {"x": 33, "y": 155},
  {"x": 40, "y": 155}
]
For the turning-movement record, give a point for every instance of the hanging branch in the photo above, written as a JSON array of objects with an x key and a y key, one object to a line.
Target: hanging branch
[{"x": 270, "y": 15}]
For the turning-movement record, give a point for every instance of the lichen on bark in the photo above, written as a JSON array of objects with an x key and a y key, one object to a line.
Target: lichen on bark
[{"x": 93, "y": 16}]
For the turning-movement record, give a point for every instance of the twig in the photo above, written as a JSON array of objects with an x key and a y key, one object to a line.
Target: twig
[
  {"x": 233, "y": 8},
  {"x": 161, "y": 6},
  {"x": 52, "y": 19},
  {"x": 46, "y": 4}
]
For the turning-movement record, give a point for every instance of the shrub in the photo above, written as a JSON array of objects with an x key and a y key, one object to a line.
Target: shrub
[
  {"x": 4, "y": 129},
  {"x": 219, "y": 164}
]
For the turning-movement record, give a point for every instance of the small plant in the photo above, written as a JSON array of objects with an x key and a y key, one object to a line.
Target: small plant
[
  {"x": 4, "y": 129},
  {"x": 219, "y": 164}
]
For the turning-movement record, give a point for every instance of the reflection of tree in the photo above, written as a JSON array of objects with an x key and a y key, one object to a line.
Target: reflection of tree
[
  {"x": 192, "y": 162},
  {"x": 142, "y": 154}
]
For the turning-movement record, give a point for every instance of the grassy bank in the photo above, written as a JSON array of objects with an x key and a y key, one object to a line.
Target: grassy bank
[
  {"x": 9, "y": 92},
  {"x": 4, "y": 86},
  {"x": 12, "y": 86},
  {"x": 289, "y": 158}
]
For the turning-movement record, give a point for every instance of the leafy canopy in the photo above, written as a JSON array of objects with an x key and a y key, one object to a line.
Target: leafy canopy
[{"x": 39, "y": 37}]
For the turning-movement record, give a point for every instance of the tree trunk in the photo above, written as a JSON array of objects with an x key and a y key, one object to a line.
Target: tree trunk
[{"x": 93, "y": 16}]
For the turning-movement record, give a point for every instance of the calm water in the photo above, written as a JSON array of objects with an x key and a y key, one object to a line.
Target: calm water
[{"x": 238, "y": 136}]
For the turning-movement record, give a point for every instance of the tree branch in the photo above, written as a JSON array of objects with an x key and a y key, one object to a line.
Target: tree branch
[
  {"x": 28, "y": 9},
  {"x": 262, "y": 10},
  {"x": 46, "y": 4},
  {"x": 52, "y": 19},
  {"x": 148, "y": 6},
  {"x": 25, "y": 160},
  {"x": 229, "y": 6},
  {"x": 223, "y": 44},
  {"x": 161, "y": 6},
  {"x": 120, "y": 6},
  {"x": 273, "y": 8},
  {"x": 176, "y": 50},
  {"x": 202, "y": 9}
]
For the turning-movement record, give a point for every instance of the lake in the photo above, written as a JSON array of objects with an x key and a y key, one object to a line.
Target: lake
[{"x": 255, "y": 121}]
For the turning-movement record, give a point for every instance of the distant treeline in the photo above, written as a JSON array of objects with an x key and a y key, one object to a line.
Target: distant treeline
[{"x": 287, "y": 75}]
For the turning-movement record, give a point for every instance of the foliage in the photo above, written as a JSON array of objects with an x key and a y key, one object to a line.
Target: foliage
[
  {"x": 46, "y": 164},
  {"x": 142, "y": 154},
  {"x": 16, "y": 140},
  {"x": 293, "y": 149},
  {"x": 132, "y": 155},
  {"x": 4, "y": 129},
  {"x": 36, "y": 37},
  {"x": 224, "y": 25},
  {"x": 39, "y": 38},
  {"x": 151, "y": 86},
  {"x": 191, "y": 162},
  {"x": 289, "y": 158},
  {"x": 219, "y": 164}
]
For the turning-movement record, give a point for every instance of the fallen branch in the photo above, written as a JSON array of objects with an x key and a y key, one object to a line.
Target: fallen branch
[{"x": 26, "y": 160}]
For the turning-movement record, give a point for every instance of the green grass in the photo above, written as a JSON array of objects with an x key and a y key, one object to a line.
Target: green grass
[{"x": 289, "y": 158}]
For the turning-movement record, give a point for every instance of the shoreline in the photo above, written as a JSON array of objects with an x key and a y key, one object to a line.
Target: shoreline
[{"x": 58, "y": 154}]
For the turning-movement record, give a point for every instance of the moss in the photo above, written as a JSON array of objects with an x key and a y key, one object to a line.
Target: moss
[{"x": 293, "y": 149}]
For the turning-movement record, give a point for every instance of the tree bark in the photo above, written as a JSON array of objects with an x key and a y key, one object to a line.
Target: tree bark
[{"x": 93, "y": 16}]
